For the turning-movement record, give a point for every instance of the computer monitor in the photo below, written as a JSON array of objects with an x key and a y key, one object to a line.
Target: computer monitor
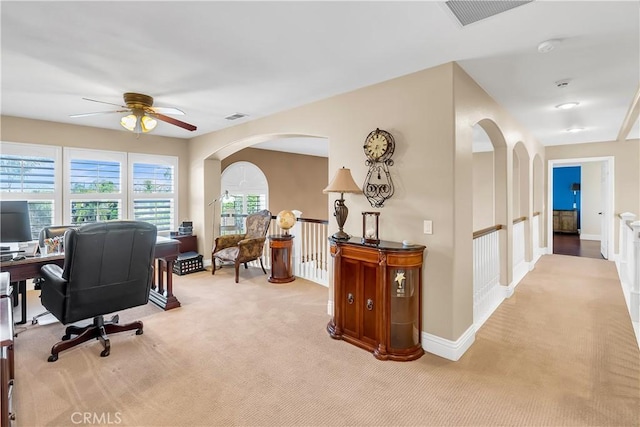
[{"x": 15, "y": 225}]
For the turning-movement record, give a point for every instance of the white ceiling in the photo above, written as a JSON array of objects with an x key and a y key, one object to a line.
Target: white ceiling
[{"x": 213, "y": 59}]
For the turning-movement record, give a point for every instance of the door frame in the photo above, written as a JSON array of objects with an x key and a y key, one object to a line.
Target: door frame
[{"x": 610, "y": 199}]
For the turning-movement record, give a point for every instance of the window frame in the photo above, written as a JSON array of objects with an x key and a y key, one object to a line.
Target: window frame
[
  {"x": 47, "y": 151},
  {"x": 70, "y": 154},
  {"x": 157, "y": 159}
]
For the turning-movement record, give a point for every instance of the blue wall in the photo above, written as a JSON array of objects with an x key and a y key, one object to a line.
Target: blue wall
[{"x": 563, "y": 178}]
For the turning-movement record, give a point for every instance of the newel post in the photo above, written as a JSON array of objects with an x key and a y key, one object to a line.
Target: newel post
[
  {"x": 622, "y": 253},
  {"x": 297, "y": 243}
]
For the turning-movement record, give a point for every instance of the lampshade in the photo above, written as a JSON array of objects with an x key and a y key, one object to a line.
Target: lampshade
[
  {"x": 342, "y": 182},
  {"x": 226, "y": 197},
  {"x": 138, "y": 122}
]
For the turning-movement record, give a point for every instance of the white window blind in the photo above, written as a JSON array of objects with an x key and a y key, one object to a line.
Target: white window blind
[
  {"x": 34, "y": 178},
  {"x": 153, "y": 196},
  {"x": 94, "y": 185}
]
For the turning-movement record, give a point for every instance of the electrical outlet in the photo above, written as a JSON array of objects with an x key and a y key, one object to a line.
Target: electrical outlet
[{"x": 428, "y": 226}]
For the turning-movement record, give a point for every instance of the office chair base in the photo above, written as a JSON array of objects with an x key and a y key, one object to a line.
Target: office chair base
[{"x": 98, "y": 330}]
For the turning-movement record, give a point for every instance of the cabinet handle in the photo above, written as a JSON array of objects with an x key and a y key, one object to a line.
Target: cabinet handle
[
  {"x": 350, "y": 298},
  {"x": 369, "y": 304}
]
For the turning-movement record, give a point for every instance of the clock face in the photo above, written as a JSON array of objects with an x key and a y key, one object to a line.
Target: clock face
[{"x": 376, "y": 146}]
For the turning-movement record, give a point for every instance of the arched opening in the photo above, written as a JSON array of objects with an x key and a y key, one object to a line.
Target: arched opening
[
  {"x": 489, "y": 212},
  {"x": 538, "y": 222},
  {"x": 521, "y": 196},
  {"x": 248, "y": 193}
]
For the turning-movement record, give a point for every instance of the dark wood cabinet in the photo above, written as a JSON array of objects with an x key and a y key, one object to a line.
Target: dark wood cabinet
[
  {"x": 188, "y": 243},
  {"x": 377, "y": 297},
  {"x": 7, "y": 366},
  {"x": 565, "y": 221}
]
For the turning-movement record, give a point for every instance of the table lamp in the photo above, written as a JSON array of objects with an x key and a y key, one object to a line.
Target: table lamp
[{"x": 342, "y": 183}]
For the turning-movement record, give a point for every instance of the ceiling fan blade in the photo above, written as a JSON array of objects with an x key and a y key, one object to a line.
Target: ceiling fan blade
[
  {"x": 167, "y": 110},
  {"x": 98, "y": 113},
  {"x": 173, "y": 121},
  {"x": 103, "y": 102}
]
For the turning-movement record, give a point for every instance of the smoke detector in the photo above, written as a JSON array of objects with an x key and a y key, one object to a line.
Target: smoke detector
[{"x": 548, "y": 45}]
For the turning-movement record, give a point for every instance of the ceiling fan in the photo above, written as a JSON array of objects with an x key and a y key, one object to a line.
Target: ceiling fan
[{"x": 143, "y": 115}]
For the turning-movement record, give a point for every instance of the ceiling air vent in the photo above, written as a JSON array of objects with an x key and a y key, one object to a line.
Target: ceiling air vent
[
  {"x": 469, "y": 12},
  {"x": 236, "y": 116}
]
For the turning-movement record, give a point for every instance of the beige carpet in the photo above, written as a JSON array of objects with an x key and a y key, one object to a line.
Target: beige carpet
[{"x": 561, "y": 351}]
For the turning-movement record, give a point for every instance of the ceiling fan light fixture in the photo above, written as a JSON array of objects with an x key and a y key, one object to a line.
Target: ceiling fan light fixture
[
  {"x": 138, "y": 122},
  {"x": 148, "y": 123},
  {"x": 129, "y": 122}
]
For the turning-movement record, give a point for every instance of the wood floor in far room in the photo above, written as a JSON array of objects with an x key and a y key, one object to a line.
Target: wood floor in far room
[{"x": 570, "y": 244}]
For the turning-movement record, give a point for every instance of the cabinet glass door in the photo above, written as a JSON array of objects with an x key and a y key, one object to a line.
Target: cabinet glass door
[{"x": 404, "y": 325}]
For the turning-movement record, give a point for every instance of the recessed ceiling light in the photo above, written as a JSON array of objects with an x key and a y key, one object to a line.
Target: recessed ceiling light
[
  {"x": 567, "y": 105},
  {"x": 575, "y": 129},
  {"x": 548, "y": 45}
]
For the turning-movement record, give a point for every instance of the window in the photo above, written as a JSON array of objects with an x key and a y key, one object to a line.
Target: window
[
  {"x": 249, "y": 188},
  {"x": 152, "y": 194},
  {"x": 25, "y": 176},
  {"x": 93, "y": 185}
]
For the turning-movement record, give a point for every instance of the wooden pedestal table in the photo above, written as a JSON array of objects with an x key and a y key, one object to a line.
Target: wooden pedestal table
[{"x": 281, "y": 247}]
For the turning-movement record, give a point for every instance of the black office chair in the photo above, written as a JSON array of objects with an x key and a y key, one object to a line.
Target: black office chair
[
  {"x": 108, "y": 267},
  {"x": 47, "y": 233}
]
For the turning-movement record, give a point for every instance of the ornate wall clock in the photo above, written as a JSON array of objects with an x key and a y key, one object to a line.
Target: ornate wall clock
[{"x": 378, "y": 147}]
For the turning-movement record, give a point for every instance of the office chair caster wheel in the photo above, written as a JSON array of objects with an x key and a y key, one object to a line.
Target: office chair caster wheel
[
  {"x": 34, "y": 322},
  {"x": 139, "y": 332},
  {"x": 52, "y": 358},
  {"x": 105, "y": 352}
]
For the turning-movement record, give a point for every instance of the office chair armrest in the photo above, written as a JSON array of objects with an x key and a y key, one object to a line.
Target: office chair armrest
[{"x": 52, "y": 275}]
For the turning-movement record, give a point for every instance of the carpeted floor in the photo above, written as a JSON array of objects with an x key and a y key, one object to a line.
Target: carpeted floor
[{"x": 560, "y": 351}]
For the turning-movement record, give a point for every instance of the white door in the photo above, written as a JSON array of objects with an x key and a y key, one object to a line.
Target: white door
[{"x": 604, "y": 212}]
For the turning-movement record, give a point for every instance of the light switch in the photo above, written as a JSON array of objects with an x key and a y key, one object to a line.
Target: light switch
[{"x": 428, "y": 226}]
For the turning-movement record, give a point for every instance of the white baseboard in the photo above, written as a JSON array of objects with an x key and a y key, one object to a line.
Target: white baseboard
[
  {"x": 590, "y": 237},
  {"x": 330, "y": 308},
  {"x": 452, "y": 350}
]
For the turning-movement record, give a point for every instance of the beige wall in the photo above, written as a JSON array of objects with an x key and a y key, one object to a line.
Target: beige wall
[
  {"x": 295, "y": 181},
  {"x": 16, "y": 129},
  {"x": 483, "y": 186},
  {"x": 432, "y": 172}
]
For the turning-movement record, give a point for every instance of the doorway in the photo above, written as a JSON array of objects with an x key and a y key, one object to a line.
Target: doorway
[{"x": 591, "y": 208}]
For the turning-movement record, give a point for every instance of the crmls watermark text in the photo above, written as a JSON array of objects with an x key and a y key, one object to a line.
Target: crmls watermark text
[{"x": 96, "y": 418}]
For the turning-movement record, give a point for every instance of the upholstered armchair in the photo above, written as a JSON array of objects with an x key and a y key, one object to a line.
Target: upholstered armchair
[
  {"x": 242, "y": 248},
  {"x": 108, "y": 267}
]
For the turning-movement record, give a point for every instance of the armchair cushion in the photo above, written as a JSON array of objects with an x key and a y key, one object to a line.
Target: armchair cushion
[{"x": 242, "y": 248}]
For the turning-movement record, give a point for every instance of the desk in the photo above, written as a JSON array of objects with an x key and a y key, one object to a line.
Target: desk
[{"x": 167, "y": 251}]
